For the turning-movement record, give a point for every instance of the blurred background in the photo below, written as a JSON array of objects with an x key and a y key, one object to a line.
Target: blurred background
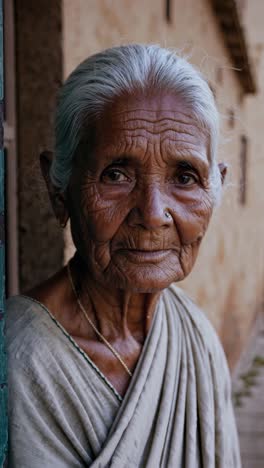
[{"x": 44, "y": 41}]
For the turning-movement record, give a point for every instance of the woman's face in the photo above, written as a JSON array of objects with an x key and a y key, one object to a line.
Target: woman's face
[{"x": 140, "y": 202}]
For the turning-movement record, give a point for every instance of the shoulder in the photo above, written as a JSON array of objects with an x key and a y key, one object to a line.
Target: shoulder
[
  {"x": 193, "y": 317},
  {"x": 190, "y": 311},
  {"x": 23, "y": 314},
  {"x": 29, "y": 332}
]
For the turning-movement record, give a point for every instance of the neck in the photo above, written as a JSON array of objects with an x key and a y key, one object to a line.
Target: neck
[{"x": 118, "y": 314}]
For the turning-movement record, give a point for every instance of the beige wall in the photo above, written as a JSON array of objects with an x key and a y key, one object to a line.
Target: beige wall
[{"x": 228, "y": 278}]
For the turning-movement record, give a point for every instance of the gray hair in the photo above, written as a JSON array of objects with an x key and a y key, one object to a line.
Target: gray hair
[{"x": 101, "y": 78}]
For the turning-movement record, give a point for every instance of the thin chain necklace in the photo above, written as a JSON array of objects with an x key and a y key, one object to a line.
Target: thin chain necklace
[{"x": 109, "y": 346}]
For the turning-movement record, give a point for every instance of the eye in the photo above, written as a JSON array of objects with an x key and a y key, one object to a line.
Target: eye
[
  {"x": 186, "y": 178},
  {"x": 114, "y": 176}
]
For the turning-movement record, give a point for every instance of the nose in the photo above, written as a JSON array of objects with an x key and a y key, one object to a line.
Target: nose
[{"x": 151, "y": 211}]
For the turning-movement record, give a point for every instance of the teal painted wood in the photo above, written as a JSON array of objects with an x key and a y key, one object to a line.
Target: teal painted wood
[{"x": 3, "y": 375}]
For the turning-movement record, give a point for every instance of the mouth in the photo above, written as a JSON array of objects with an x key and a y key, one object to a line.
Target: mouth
[{"x": 145, "y": 256}]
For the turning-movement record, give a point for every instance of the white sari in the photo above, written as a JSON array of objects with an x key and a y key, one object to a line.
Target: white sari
[{"x": 63, "y": 412}]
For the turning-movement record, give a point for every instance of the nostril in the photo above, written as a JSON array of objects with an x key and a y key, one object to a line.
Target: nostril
[
  {"x": 150, "y": 219},
  {"x": 151, "y": 210}
]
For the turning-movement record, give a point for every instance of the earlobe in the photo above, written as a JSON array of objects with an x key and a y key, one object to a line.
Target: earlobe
[
  {"x": 223, "y": 171},
  {"x": 57, "y": 198}
]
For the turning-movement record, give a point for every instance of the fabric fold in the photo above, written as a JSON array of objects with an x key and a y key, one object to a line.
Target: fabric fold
[{"x": 177, "y": 411}]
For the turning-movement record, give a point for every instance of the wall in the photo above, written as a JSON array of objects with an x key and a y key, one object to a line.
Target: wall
[{"x": 228, "y": 277}]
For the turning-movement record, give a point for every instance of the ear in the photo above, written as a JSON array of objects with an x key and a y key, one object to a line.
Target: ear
[
  {"x": 57, "y": 198},
  {"x": 223, "y": 171}
]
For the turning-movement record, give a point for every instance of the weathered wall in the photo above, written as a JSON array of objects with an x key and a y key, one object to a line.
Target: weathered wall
[
  {"x": 248, "y": 378},
  {"x": 228, "y": 278},
  {"x": 39, "y": 73}
]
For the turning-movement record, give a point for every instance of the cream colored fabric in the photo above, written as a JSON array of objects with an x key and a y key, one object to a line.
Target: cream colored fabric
[{"x": 176, "y": 413}]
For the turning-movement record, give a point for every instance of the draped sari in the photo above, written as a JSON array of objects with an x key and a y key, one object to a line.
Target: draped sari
[{"x": 63, "y": 412}]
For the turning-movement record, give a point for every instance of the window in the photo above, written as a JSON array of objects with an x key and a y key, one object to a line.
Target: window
[
  {"x": 168, "y": 10},
  {"x": 231, "y": 118},
  {"x": 243, "y": 170}
]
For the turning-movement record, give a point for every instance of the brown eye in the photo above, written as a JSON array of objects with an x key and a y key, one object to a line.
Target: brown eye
[
  {"x": 114, "y": 176},
  {"x": 186, "y": 179}
]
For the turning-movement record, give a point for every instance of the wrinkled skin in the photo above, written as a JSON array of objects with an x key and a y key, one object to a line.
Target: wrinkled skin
[
  {"x": 132, "y": 178},
  {"x": 149, "y": 158}
]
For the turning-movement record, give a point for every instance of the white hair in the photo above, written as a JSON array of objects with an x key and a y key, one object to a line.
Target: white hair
[{"x": 101, "y": 78}]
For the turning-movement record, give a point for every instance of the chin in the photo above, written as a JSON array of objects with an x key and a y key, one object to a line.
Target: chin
[{"x": 147, "y": 279}]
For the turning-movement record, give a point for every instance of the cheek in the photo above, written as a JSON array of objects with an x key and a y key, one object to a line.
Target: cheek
[
  {"x": 102, "y": 218},
  {"x": 192, "y": 217},
  {"x": 103, "y": 224}
]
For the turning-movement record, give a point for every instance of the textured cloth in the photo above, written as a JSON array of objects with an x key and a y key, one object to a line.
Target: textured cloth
[{"x": 63, "y": 412}]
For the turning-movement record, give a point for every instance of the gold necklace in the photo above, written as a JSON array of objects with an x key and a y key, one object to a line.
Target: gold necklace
[{"x": 109, "y": 346}]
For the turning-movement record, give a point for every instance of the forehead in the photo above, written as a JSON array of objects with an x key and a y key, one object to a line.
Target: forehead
[{"x": 143, "y": 121}]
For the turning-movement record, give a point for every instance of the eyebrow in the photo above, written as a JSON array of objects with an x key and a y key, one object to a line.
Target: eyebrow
[
  {"x": 183, "y": 161},
  {"x": 122, "y": 160},
  {"x": 185, "y": 165}
]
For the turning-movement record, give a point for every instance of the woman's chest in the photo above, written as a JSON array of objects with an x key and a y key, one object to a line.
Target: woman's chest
[{"x": 116, "y": 363}]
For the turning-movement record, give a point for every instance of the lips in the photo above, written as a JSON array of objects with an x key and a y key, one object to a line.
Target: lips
[{"x": 145, "y": 256}]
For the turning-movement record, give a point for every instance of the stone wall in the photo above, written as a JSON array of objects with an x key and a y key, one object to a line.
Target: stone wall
[
  {"x": 227, "y": 280},
  {"x": 38, "y": 76}
]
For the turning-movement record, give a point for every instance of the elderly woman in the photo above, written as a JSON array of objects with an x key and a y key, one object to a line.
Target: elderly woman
[{"x": 110, "y": 363}]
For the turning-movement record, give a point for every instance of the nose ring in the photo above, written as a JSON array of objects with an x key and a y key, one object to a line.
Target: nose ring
[{"x": 168, "y": 216}]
